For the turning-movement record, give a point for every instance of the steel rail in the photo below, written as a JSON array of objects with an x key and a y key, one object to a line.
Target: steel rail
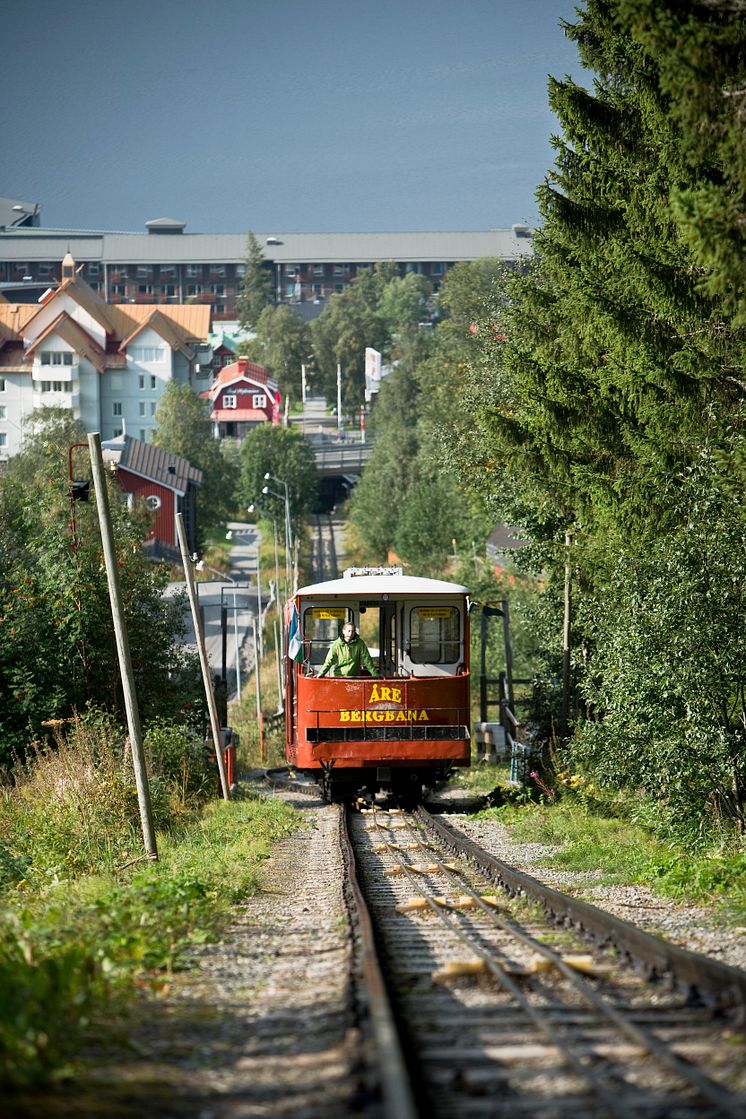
[
  {"x": 716, "y": 983},
  {"x": 707, "y": 1088},
  {"x": 396, "y": 1090},
  {"x": 608, "y": 1096}
]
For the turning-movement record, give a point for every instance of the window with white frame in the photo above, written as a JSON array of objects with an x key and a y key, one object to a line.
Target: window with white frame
[
  {"x": 3, "y": 439},
  {"x": 57, "y": 357},
  {"x": 3, "y": 412},
  {"x": 118, "y": 289},
  {"x": 230, "y": 401},
  {"x": 141, "y": 381},
  {"x": 54, "y": 386},
  {"x": 194, "y": 289},
  {"x": 153, "y": 381},
  {"x": 116, "y": 408},
  {"x": 153, "y": 407},
  {"x": 193, "y": 271},
  {"x": 146, "y": 354},
  {"x": 142, "y": 408},
  {"x": 259, "y": 400},
  {"x": 2, "y": 384}
]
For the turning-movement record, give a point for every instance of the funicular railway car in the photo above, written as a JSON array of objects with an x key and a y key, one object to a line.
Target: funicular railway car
[{"x": 406, "y": 727}]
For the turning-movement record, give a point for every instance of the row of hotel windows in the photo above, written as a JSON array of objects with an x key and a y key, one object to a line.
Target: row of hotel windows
[
  {"x": 141, "y": 272},
  {"x": 166, "y": 289},
  {"x": 95, "y": 269}
]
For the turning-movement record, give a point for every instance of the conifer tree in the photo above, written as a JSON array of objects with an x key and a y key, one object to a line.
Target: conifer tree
[{"x": 256, "y": 289}]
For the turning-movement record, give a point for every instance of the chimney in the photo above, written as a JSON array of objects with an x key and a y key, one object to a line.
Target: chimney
[
  {"x": 68, "y": 267},
  {"x": 243, "y": 365}
]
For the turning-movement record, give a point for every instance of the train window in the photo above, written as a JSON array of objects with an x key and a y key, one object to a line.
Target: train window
[
  {"x": 434, "y": 634},
  {"x": 321, "y": 626}
]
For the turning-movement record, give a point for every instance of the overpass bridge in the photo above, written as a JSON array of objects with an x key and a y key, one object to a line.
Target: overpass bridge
[
  {"x": 341, "y": 459},
  {"x": 339, "y": 462}
]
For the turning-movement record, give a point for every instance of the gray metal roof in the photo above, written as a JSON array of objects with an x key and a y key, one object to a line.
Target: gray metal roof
[
  {"x": 296, "y": 248},
  {"x": 149, "y": 461},
  {"x": 15, "y": 210}
]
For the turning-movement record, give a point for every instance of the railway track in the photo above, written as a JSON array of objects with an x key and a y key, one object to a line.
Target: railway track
[
  {"x": 494, "y": 1009},
  {"x": 323, "y": 549}
]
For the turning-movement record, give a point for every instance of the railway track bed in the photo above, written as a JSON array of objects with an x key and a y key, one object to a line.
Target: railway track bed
[{"x": 503, "y": 1013}]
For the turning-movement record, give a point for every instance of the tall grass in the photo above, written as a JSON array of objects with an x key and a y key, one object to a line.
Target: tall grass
[{"x": 84, "y": 919}]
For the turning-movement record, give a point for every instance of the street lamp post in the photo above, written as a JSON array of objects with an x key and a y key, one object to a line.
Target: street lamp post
[
  {"x": 253, "y": 508},
  {"x": 288, "y": 524},
  {"x": 202, "y": 566},
  {"x": 280, "y": 601}
]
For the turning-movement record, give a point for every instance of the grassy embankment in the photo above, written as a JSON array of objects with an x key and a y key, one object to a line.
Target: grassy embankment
[
  {"x": 85, "y": 922},
  {"x": 585, "y": 829}
]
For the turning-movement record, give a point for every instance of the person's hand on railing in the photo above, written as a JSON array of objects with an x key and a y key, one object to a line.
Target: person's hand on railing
[{"x": 309, "y": 670}]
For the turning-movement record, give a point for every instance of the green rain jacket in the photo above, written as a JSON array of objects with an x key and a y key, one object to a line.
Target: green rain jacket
[{"x": 348, "y": 657}]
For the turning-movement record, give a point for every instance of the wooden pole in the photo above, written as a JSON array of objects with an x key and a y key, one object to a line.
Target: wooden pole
[
  {"x": 259, "y": 717},
  {"x": 566, "y": 640},
  {"x": 508, "y": 652},
  {"x": 217, "y": 738},
  {"x": 123, "y": 650}
]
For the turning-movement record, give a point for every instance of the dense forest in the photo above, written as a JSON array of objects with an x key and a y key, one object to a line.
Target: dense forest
[{"x": 596, "y": 401}]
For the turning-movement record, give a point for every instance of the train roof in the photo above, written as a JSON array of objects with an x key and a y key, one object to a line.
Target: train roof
[{"x": 396, "y": 586}]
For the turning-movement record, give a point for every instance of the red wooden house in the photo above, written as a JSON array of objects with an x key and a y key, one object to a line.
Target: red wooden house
[
  {"x": 243, "y": 396},
  {"x": 166, "y": 482}
]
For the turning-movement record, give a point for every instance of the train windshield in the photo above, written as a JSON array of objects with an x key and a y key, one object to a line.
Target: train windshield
[
  {"x": 435, "y": 634},
  {"x": 321, "y": 626}
]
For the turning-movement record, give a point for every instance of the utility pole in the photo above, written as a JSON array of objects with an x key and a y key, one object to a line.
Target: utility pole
[
  {"x": 339, "y": 401},
  {"x": 202, "y": 649},
  {"x": 123, "y": 649},
  {"x": 566, "y": 639}
]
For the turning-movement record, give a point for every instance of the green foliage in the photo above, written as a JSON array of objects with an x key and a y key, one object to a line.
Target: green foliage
[
  {"x": 282, "y": 344},
  {"x": 57, "y": 648},
  {"x": 69, "y": 951},
  {"x": 585, "y": 831},
  {"x": 184, "y": 428},
  {"x": 404, "y": 302},
  {"x": 600, "y": 394},
  {"x": 347, "y": 325},
  {"x": 285, "y": 454},
  {"x": 670, "y": 679},
  {"x": 256, "y": 291}
]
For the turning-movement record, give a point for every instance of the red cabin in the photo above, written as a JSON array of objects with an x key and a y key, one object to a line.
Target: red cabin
[{"x": 407, "y": 727}]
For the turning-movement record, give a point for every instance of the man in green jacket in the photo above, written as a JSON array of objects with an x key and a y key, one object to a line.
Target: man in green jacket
[{"x": 348, "y": 654}]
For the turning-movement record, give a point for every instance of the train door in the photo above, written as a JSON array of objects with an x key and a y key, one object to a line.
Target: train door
[{"x": 379, "y": 630}]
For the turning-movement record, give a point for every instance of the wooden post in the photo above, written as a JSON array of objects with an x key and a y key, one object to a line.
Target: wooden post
[
  {"x": 123, "y": 651},
  {"x": 566, "y": 641},
  {"x": 259, "y": 718},
  {"x": 508, "y": 652},
  {"x": 202, "y": 649}
]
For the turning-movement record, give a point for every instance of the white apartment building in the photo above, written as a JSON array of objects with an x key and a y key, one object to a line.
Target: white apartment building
[{"x": 107, "y": 363}]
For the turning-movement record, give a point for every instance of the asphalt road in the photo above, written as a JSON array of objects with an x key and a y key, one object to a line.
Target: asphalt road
[{"x": 218, "y": 595}]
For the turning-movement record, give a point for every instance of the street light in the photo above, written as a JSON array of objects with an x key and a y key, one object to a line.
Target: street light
[
  {"x": 253, "y": 508},
  {"x": 280, "y": 676},
  {"x": 288, "y": 526},
  {"x": 202, "y": 566}
]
